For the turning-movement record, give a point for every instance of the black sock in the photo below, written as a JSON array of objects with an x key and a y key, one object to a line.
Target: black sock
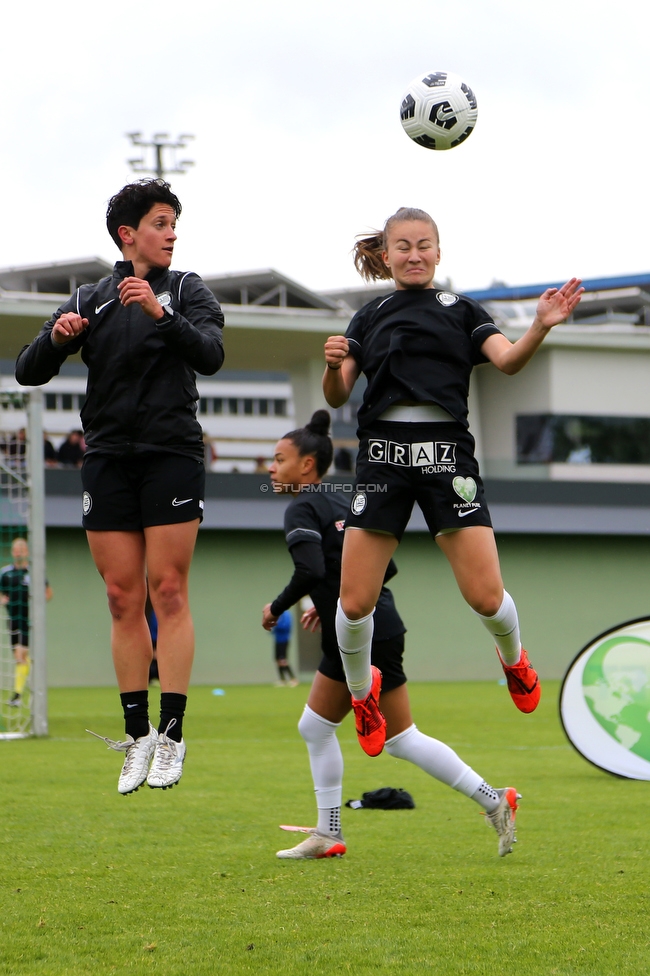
[
  {"x": 285, "y": 671},
  {"x": 172, "y": 706},
  {"x": 136, "y": 712}
]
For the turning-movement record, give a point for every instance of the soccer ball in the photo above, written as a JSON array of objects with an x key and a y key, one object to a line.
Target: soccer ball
[{"x": 438, "y": 110}]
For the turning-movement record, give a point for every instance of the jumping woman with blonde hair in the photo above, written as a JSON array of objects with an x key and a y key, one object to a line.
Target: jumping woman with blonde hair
[{"x": 417, "y": 347}]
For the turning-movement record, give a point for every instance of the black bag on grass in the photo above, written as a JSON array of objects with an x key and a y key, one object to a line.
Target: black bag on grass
[{"x": 385, "y": 798}]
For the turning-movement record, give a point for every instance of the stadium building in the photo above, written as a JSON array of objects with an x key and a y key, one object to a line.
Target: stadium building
[{"x": 564, "y": 449}]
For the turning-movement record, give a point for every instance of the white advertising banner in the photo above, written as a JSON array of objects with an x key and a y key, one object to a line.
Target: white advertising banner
[{"x": 605, "y": 700}]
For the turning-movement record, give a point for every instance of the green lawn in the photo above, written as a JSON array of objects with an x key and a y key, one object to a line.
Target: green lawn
[{"x": 186, "y": 881}]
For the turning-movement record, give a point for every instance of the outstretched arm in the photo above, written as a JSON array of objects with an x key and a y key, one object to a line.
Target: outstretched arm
[{"x": 555, "y": 306}]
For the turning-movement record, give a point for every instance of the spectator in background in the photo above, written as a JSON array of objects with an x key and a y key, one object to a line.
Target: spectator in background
[
  {"x": 49, "y": 452},
  {"x": 71, "y": 452},
  {"x": 260, "y": 466},
  {"x": 343, "y": 461},
  {"x": 16, "y": 449}
]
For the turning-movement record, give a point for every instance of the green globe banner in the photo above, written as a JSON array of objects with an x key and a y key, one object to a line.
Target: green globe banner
[{"x": 605, "y": 700}]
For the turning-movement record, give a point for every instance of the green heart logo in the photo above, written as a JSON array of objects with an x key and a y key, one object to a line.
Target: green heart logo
[
  {"x": 616, "y": 685},
  {"x": 465, "y": 488}
]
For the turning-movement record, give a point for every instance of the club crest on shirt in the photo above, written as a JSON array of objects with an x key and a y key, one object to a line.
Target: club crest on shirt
[
  {"x": 86, "y": 502},
  {"x": 165, "y": 298},
  {"x": 359, "y": 503},
  {"x": 447, "y": 298}
]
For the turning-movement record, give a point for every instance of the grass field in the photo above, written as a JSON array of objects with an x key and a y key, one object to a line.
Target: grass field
[{"x": 186, "y": 881}]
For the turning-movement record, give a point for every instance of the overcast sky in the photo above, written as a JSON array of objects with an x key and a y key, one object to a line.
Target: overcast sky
[{"x": 299, "y": 147}]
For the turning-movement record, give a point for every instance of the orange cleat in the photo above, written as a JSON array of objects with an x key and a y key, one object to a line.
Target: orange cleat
[
  {"x": 523, "y": 683},
  {"x": 371, "y": 724}
]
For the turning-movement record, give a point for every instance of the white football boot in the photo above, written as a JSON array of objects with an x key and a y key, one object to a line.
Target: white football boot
[
  {"x": 502, "y": 818},
  {"x": 167, "y": 766},
  {"x": 137, "y": 759},
  {"x": 315, "y": 846}
]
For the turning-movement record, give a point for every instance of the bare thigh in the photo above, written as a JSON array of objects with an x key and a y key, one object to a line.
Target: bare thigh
[
  {"x": 365, "y": 558},
  {"x": 169, "y": 550},
  {"x": 120, "y": 560},
  {"x": 473, "y": 556}
]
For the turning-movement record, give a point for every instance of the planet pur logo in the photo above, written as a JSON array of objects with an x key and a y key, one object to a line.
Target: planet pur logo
[
  {"x": 605, "y": 700},
  {"x": 465, "y": 488}
]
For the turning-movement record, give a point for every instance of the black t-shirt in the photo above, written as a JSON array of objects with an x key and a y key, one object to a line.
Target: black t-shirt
[
  {"x": 419, "y": 346},
  {"x": 314, "y": 525}
]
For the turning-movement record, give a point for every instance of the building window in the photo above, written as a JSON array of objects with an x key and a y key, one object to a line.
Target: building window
[
  {"x": 347, "y": 414},
  {"x": 280, "y": 408},
  {"x": 263, "y": 408},
  {"x": 64, "y": 401},
  {"x": 248, "y": 407},
  {"x": 546, "y": 438}
]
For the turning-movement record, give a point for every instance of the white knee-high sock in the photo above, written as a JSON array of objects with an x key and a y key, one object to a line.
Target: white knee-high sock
[
  {"x": 326, "y": 762},
  {"x": 504, "y": 627},
  {"x": 355, "y": 643},
  {"x": 441, "y": 762}
]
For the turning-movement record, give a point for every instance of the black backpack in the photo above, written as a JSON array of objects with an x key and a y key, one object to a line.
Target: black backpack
[{"x": 385, "y": 798}]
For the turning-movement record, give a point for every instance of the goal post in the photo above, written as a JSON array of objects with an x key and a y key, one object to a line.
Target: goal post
[
  {"x": 23, "y": 677},
  {"x": 38, "y": 582}
]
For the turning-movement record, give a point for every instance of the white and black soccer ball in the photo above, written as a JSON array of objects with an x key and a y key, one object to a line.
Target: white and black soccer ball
[{"x": 438, "y": 110}]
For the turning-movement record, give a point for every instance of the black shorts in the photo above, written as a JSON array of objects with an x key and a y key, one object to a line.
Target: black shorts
[
  {"x": 127, "y": 494},
  {"x": 281, "y": 650},
  {"x": 432, "y": 464},
  {"x": 19, "y": 634},
  {"x": 386, "y": 655}
]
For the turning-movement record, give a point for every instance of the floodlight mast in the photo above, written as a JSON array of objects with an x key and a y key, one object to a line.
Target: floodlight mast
[{"x": 160, "y": 142}]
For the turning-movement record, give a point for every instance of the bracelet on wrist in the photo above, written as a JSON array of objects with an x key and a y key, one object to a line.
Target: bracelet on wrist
[{"x": 335, "y": 368}]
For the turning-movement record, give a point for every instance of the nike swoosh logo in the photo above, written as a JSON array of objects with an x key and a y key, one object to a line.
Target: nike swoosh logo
[
  {"x": 132, "y": 706},
  {"x": 98, "y": 308},
  {"x": 468, "y": 511},
  {"x": 183, "y": 501}
]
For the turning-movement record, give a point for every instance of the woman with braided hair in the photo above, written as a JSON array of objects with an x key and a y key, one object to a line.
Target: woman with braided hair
[{"x": 417, "y": 347}]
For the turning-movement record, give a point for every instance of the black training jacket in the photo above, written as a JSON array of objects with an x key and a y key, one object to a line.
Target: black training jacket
[{"x": 141, "y": 392}]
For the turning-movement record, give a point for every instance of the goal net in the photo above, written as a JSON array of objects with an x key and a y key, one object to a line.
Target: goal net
[{"x": 23, "y": 681}]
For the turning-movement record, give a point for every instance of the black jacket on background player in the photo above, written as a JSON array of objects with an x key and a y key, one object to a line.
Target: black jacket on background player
[
  {"x": 141, "y": 393},
  {"x": 314, "y": 523}
]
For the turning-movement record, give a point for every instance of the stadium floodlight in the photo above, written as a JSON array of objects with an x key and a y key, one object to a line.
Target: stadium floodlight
[{"x": 163, "y": 145}]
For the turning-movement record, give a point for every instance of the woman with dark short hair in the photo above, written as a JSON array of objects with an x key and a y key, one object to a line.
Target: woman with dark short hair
[{"x": 143, "y": 332}]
